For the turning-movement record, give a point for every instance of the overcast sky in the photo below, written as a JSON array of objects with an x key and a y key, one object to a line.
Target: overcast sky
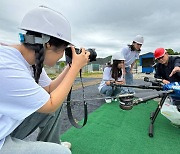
[{"x": 107, "y": 25}]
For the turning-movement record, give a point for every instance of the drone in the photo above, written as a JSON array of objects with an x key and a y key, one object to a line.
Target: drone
[{"x": 127, "y": 101}]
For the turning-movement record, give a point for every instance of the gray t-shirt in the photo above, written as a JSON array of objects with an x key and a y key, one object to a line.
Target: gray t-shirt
[
  {"x": 20, "y": 95},
  {"x": 130, "y": 56}
]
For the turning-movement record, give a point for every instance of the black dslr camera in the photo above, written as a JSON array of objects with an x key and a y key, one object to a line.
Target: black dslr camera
[{"x": 68, "y": 54}]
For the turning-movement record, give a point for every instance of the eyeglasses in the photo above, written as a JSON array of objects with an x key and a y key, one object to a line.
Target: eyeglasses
[{"x": 160, "y": 58}]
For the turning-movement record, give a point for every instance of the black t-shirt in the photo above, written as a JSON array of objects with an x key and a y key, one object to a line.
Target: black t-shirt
[{"x": 163, "y": 71}]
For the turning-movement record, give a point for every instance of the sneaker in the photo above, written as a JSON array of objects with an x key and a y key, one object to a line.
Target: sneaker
[
  {"x": 114, "y": 99},
  {"x": 66, "y": 144},
  {"x": 108, "y": 100}
]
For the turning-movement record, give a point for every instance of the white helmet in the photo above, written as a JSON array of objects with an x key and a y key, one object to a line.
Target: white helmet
[
  {"x": 139, "y": 39},
  {"x": 47, "y": 21},
  {"x": 117, "y": 56}
]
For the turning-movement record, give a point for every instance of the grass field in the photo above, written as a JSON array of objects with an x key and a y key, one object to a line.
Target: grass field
[{"x": 110, "y": 130}]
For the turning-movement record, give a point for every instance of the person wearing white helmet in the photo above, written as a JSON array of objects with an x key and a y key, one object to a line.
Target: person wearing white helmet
[
  {"x": 112, "y": 74},
  {"x": 131, "y": 54},
  {"x": 29, "y": 99}
]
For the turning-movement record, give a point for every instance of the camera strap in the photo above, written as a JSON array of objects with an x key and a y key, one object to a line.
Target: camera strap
[{"x": 69, "y": 111}]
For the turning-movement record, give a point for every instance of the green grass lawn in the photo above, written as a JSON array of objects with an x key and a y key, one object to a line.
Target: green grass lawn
[{"x": 110, "y": 130}]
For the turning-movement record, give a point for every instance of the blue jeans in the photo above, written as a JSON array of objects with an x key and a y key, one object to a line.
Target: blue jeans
[
  {"x": 109, "y": 91},
  {"x": 129, "y": 79}
]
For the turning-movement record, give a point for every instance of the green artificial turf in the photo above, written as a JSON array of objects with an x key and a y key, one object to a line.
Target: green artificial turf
[{"x": 110, "y": 130}]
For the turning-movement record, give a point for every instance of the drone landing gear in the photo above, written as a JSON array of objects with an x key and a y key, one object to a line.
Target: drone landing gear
[{"x": 154, "y": 114}]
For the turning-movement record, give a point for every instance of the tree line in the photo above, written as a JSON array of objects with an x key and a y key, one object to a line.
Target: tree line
[{"x": 172, "y": 52}]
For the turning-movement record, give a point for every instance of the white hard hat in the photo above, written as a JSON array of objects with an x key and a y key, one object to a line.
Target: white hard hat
[
  {"x": 139, "y": 39},
  {"x": 117, "y": 56},
  {"x": 47, "y": 21}
]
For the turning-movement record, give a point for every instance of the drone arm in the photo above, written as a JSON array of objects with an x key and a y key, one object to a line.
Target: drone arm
[
  {"x": 144, "y": 99},
  {"x": 140, "y": 86}
]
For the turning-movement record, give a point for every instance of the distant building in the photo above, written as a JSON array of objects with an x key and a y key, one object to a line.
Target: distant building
[
  {"x": 94, "y": 66},
  {"x": 146, "y": 61},
  {"x": 97, "y": 65}
]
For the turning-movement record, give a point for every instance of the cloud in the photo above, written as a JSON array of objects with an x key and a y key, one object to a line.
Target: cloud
[{"x": 104, "y": 25}]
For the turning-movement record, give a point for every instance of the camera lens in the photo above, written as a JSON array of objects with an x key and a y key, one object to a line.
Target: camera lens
[
  {"x": 68, "y": 53},
  {"x": 92, "y": 55}
]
